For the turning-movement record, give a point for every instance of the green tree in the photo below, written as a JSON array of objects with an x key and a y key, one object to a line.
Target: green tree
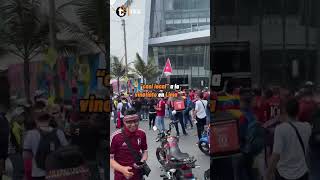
[
  {"x": 22, "y": 33},
  {"x": 118, "y": 69},
  {"x": 148, "y": 71}
]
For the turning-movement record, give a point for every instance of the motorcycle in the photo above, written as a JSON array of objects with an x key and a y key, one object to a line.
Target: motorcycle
[
  {"x": 175, "y": 164},
  {"x": 204, "y": 144}
]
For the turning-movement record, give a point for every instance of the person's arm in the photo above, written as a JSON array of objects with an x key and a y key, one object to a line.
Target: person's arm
[
  {"x": 144, "y": 156},
  {"x": 278, "y": 147},
  {"x": 125, "y": 170},
  {"x": 144, "y": 148},
  {"x": 62, "y": 138},
  {"x": 272, "y": 166}
]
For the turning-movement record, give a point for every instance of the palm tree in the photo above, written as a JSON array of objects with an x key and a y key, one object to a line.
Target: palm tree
[
  {"x": 67, "y": 46},
  {"x": 94, "y": 24},
  {"x": 148, "y": 71},
  {"x": 118, "y": 69},
  {"x": 22, "y": 33}
]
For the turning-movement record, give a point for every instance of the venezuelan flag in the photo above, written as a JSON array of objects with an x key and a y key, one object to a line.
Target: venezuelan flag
[{"x": 228, "y": 102}]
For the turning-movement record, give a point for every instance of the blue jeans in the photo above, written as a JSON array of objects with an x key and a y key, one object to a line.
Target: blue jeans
[
  {"x": 187, "y": 119},
  {"x": 160, "y": 123}
]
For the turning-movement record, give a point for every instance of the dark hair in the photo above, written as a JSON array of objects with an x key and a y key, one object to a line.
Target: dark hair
[
  {"x": 200, "y": 94},
  {"x": 131, "y": 111},
  {"x": 229, "y": 86},
  {"x": 246, "y": 95},
  {"x": 292, "y": 107}
]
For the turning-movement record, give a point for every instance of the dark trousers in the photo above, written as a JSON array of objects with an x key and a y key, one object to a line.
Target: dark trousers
[
  {"x": 304, "y": 177},
  {"x": 200, "y": 126},
  {"x": 179, "y": 117},
  {"x": 152, "y": 119}
]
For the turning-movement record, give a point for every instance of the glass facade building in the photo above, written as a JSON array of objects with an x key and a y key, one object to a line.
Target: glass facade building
[
  {"x": 174, "y": 31},
  {"x": 275, "y": 42}
]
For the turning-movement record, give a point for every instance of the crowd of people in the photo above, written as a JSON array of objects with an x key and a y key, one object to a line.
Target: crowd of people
[
  {"x": 289, "y": 122},
  {"x": 40, "y": 137},
  {"x": 189, "y": 106},
  {"x": 289, "y": 119},
  {"x": 128, "y": 111}
]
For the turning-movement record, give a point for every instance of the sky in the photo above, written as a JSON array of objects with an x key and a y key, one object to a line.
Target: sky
[{"x": 134, "y": 30}]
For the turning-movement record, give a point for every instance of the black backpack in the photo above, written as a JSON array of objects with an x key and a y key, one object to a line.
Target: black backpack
[{"x": 49, "y": 143}]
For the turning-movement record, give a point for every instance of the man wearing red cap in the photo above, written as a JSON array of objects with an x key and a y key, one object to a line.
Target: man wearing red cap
[{"x": 121, "y": 158}]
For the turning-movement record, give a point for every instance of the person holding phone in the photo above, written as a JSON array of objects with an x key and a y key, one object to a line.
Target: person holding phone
[{"x": 123, "y": 142}]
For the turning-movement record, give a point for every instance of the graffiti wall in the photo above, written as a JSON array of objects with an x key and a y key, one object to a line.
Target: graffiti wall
[{"x": 66, "y": 72}]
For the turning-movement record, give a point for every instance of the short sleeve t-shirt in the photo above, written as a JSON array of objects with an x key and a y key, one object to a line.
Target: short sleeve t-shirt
[
  {"x": 292, "y": 163},
  {"x": 162, "y": 105},
  {"x": 31, "y": 142},
  {"x": 273, "y": 107},
  {"x": 200, "y": 107},
  {"x": 120, "y": 152}
]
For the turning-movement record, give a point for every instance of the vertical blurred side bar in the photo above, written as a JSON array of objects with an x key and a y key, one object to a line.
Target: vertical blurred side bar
[{"x": 109, "y": 92}]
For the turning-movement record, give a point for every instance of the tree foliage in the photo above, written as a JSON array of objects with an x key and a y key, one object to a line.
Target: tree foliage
[{"x": 148, "y": 71}]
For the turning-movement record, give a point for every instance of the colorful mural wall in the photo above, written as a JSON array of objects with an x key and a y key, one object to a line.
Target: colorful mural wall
[{"x": 71, "y": 72}]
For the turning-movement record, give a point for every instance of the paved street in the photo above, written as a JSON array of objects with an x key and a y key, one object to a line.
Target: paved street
[{"x": 186, "y": 144}]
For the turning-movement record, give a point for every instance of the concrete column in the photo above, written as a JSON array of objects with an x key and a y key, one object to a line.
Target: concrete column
[
  {"x": 147, "y": 12},
  {"x": 255, "y": 58}
]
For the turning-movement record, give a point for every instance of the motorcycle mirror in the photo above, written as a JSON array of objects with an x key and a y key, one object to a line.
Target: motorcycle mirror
[{"x": 155, "y": 128}]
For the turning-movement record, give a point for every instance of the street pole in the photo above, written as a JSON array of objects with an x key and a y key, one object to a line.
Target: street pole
[
  {"x": 125, "y": 45},
  {"x": 52, "y": 41},
  {"x": 284, "y": 53},
  {"x": 52, "y": 18}
]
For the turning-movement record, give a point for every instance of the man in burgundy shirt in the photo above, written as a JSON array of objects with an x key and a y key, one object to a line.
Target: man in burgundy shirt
[{"x": 121, "y": 159}]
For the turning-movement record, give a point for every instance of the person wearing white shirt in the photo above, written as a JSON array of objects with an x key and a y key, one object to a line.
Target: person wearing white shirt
[
  {"x": 288, "y": 160},
  {"x": 200, "y": 113},
  {"x": 119, "y": 108}
]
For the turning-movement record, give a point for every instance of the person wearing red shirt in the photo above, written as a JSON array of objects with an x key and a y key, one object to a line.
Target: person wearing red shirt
[
  {"x": 161, "y": 111},
  {"x": 307, "y": 106},
  {"x": 272, "y": 105},
  {"x": 258, "y": 106},
  {"x": 121, "y": 159},
  {"x": 192, "y": 95}
]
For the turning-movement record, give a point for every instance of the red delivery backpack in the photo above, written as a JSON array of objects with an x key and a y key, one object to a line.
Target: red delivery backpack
[{"x": 178, "y": 105}]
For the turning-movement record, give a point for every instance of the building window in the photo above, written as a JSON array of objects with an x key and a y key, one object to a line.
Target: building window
[{"x": 162, "y": 62}]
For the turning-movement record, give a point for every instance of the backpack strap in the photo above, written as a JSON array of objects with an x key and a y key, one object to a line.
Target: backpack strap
[
  {"x": 299, "y": 137},
  {"x": 136, "y": 156}
]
